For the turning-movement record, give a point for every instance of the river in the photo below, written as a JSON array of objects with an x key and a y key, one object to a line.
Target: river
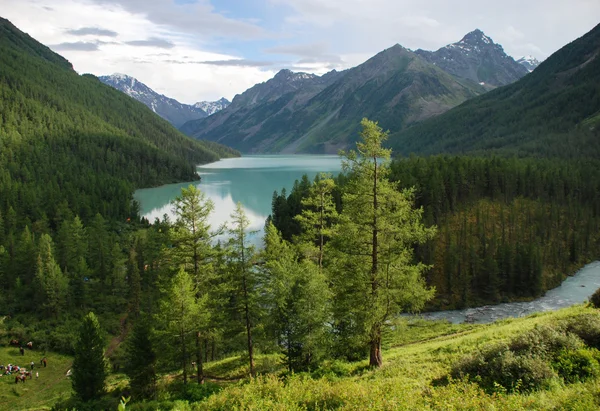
[
  {"x": 251, "y": 180},
  {"x": 574, "y": 290}
]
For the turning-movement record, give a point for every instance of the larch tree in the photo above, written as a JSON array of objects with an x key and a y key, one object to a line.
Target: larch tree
[
  {"x": 51, "y": 282},
  {"x": 192, "y": 240},
  {"x": 180, "y": 316},
  {"x": 375, "y": 273},
  {"x": 318, "y": 216},
  {"x": 243, "y": 276},
  {"x": 296, "y": 299},
  {"x": 89, "y": 363}
]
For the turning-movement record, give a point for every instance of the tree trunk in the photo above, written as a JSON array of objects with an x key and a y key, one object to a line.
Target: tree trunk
[
  {"x": 248, "y": 329},
  {"x": 183, "y": 357},
  {"x": 199, "y": 368},
  {"x": 375, "y": 359}
]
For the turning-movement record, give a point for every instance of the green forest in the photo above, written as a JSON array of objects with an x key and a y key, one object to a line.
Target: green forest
[
  {"x": 508, "y": 228},
  {"x": 178, "y": 314}
]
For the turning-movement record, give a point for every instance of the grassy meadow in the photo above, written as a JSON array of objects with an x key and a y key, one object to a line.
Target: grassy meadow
[{"x": 418, "y": 355}]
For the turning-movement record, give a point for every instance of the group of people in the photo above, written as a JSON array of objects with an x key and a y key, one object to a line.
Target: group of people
[{"x": 20, "y": 373}]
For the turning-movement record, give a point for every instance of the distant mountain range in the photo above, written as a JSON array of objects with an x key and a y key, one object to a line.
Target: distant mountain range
[
  {"x": 300, "y": 112},
  {"x": 170, "y": 109},
  {"x": 553, "y": 111},
  {"x": 529, "y": 62}
]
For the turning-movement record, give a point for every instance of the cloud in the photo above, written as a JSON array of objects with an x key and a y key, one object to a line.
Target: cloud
[
  {"x": 229, "y": 63},
  {"x": 191, "y": 17},
  {"x": 96, "y": 31},
  {"x": 152, "y": 42},
  {"x": 76, "y": 46}
]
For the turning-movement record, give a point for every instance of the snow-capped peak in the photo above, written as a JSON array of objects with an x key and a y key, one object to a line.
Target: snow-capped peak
[
  {"x": 211, "y": 107},
  {"x": 529, "y": 62}
]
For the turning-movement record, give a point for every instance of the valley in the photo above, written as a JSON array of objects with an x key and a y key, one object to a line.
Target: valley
[{"x": 351, "y": 231}]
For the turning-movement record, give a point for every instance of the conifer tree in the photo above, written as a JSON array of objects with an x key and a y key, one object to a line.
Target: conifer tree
[
  {"x": 318, "y": 216},
  {"x": 141, "y": 361},
  {"x": 191, "y": 237},
  {"x": 181, "y": 313},
  {"x": 296, "y": 300},
  {"x": 243, "y": 276},
  {"x": 378, "y": 227},
  {"x": 52, "y": 284},
  {"x": 89, "y": 363}
]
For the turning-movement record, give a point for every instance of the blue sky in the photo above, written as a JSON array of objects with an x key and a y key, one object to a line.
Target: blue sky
[{"x": 196, "y": 50}]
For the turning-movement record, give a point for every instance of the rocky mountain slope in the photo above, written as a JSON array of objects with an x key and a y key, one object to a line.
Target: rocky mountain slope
[
  {"x": 170, "y": 109},
  {"x": 299, "y": 112},
  {"x": 476, "y": 57},
  {"x": 553, "y": 111}
]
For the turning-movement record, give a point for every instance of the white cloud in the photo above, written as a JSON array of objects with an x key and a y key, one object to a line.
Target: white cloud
[
  {"x": 151, "y": 64},
  {"x": 163, "y": 43}
]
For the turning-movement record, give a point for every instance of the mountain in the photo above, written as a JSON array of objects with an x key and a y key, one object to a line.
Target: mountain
[
  {"x": 211, "y": 107},
  {"x": 529, "y": 62},
  {"x": 71, "y": 144},
  {"x": 300, "y": 112},
  {"x": 476, "y": 57},
  {"x": 170, "y": 109},
  {"x": 553, "y": 111}
]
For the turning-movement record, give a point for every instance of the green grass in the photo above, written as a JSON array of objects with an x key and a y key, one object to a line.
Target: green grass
[
  {"x": 419, "y": 352},
  {"x": 37, "y": 393}
]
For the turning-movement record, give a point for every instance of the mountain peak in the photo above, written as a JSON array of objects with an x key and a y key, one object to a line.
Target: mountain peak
[
  {"x": 476, "y": 37},
  {"x": 289, "y": 75},
  {"x": 529, "y": 62},
  {"x": 476, "y": 57}
]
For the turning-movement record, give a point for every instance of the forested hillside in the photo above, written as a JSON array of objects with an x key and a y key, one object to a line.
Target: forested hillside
[
  {"x": 70, "y": 139},
  {"x": 72, "y": 151},
  {"x": 553, "y": 111},
  {"x": 508, "y": 228}
]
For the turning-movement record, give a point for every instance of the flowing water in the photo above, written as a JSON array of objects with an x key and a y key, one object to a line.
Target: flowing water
[{"x": 574, "y": 290}]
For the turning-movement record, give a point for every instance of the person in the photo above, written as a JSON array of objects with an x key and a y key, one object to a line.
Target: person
[
  {"x": 32, "y": 364},
  {"x": 22, "y": 350},
  {"x": 37, "y": 375},
  {"x": 45, "y": 362}
]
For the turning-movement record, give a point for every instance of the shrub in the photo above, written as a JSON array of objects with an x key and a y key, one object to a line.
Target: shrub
[
  {"x": 501, "y": 370},
  {"x": 595, "y": 298},
  {"x": 586, "y": 327},
  {"x": 545, "y": 342},
  {"x": 578, "y": 365}
]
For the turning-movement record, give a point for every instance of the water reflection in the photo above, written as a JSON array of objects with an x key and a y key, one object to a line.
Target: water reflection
[{"x": 250, "y": 180}]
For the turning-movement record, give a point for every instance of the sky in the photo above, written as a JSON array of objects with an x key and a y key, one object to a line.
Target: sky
[{"x": 202, "y": 50}]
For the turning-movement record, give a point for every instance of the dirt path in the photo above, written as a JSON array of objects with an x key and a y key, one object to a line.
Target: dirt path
[{"x": 117, "y": 340}]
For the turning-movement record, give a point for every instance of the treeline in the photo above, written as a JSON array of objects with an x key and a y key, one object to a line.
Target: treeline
[{"x": 509, "y": 228}]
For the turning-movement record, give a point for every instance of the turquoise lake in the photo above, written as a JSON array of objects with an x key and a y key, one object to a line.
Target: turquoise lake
[{"x": 250, "y": 180}]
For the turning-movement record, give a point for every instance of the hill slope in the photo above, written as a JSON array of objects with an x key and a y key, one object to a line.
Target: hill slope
[
  {"x": 70, "y": 138},
  {"x": 553, "y": 111},
  {"x": 306, "y": 113}
]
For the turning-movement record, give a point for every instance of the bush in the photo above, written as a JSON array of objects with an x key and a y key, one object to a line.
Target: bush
[
  {"x": 578, "y": 365},
  {"x": 193, "y": 392},
  {"x": 501, "y": 370},
  {"x": 545, "y": 342},
  {"x": 595, "y": 298},
  {"x": 586, "y": 327}
]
